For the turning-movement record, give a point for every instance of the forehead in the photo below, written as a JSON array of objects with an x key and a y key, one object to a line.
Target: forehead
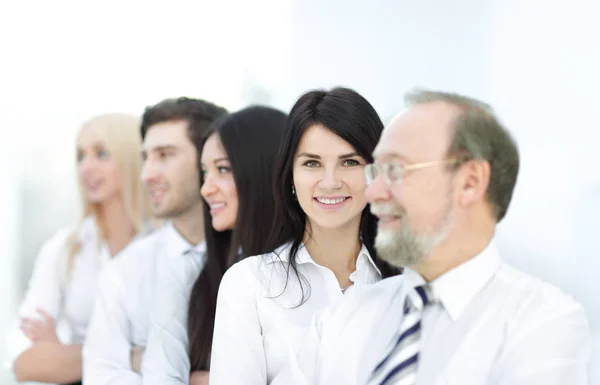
[
  {"x": 321, "y": 141},
  {"x": 213, "y": 149},
  {"x": 421, "y": 133},
  {"x": 171, "y": 133},
  {"x": 89, "y": 137}
]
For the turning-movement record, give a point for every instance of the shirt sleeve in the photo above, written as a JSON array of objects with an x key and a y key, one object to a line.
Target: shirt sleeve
[
  {"x": 237, "y": 355},
  {"x": 550, "y": 346},
  {"x": 44, "y": 292},
  {"x": 166, "y": 360},
  {"x": 107, "y": 348}
]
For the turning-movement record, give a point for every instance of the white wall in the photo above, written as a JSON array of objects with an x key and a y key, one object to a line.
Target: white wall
[
  {"x": 543, "y": 78},
  {"x": 384, "y": 47}
]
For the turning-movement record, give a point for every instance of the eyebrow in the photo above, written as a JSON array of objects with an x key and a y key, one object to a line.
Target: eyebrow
[
  {"x": 144, "y": 152},
  {"x": 314, "y": 156}
]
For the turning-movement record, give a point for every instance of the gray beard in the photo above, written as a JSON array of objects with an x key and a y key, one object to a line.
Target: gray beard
[{"x": 406, "y": 248}]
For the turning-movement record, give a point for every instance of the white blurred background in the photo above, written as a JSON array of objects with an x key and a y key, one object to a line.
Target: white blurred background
[{"x": 536, "y": 61}]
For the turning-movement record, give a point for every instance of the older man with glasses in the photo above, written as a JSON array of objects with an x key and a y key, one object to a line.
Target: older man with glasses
[{"x": 444, "y": 174}]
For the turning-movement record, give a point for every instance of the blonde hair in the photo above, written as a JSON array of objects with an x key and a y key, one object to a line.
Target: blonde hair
[{"x": 120, "y": 134}]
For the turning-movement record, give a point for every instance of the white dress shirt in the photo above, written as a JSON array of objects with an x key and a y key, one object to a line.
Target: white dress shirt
[
  {"x": 260, "y": 317},
  {"x": 126, "y": 293},
  {"x": 166, "y": 359},
  {"x": 493, "y": 325},
  {"x": 70, "y": 300}
]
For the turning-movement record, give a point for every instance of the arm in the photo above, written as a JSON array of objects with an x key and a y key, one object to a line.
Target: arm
[
  {"x": 238, "y": 355},
  {"x": 54, "y": 363},
  {"x": 107, "y": 352},
  {"x": 166, "y": 361},
  {"x": 43, "y": 359},
  {"x": 550, "y": 347}
]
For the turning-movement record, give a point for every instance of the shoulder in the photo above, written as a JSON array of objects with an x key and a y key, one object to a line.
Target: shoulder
[
  {"x": 539, "y": 303},
  {"x": 136, "y": 257},
  {"x": 253, "y": 270},
  {"x": 364, "y": 294},
  {"x": 366, "y": 301},
  {"x": 53, "y": 250},
  {"x": 141, "y": 248}
]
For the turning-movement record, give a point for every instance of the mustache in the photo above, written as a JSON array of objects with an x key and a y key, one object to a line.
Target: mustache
[{"x": 381, "y": 209}]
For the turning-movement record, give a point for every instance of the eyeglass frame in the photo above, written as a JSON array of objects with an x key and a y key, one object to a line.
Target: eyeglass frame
[{"x": 379, "y": 168}]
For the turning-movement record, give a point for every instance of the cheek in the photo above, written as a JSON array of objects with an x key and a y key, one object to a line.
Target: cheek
[
  {"x": 230, "y": 190},
  {"x": 358, "y": 186},
  {"x": 304, "y": 183},
  {"x": 113, "y": 175}
]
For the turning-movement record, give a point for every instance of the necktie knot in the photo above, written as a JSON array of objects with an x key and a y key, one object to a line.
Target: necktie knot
[{"x": 420, "y": 297}]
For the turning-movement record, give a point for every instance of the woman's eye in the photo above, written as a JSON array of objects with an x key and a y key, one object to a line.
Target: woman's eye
[
  {"x": 351, "y": 163},
  {"x": 312, "y": 164},
  {"x": 223, "y": 169}
]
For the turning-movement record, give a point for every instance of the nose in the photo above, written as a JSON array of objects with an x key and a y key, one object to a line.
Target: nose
[
  {"x": 208, "y": 186},
  {"x": 329, "y": 180},
  {"x": 378, "y": 190},
  {"x": 149, "y": 171}
]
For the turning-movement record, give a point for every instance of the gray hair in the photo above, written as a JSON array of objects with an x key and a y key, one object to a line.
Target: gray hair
[{"x": 479, "y": 135}]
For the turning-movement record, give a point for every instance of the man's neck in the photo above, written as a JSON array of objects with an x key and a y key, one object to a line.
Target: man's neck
[
  {"x": 190, "y": 225},
  {"x": 454, "y": 252}
]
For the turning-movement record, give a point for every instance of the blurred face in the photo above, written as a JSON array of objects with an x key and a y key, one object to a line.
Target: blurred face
[
  {"x": 417, "y": 213},
  {"x": 98, "y": 171},
  {"x": 170, "y": 172},
  {"x": 218, "y": 187},
  {"x": 329, "y": 179}
]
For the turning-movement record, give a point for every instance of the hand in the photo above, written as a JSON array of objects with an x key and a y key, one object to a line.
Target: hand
[
  {"x": 43, "y": 330},
  {"x": 199, "y": 378},
  {"x": 137, "y": 355}
]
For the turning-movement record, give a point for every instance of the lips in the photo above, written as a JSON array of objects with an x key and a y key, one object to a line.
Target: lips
[
  {"x": 92, "y": 185},
  {"x": 216, "y": 207},
  {"x": 156, "y": 193}
]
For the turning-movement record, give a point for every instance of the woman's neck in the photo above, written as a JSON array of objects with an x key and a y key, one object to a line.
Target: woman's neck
[
  {"x": 116, "y": 227},
  {"x": 336, "y": 249}
]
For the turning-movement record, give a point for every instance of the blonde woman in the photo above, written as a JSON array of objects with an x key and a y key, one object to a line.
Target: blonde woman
[{"x": 63, "y": 284}]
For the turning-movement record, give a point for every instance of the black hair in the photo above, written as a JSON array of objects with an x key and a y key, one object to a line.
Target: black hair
[{"x": 251, "y": 138}]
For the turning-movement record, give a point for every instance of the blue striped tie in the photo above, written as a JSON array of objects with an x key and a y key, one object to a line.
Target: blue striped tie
[{"x": 399, "y": 367}]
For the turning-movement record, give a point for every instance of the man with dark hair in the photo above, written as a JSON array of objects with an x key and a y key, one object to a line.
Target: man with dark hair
[
  {"x": 173, "y": 132},
  {"x": 444, "y": 174}
]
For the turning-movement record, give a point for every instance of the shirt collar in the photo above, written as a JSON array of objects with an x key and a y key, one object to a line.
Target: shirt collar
[
  {"x": 282, "y": 254},
  {"x": 457, "y": 288},
  {"x": 177, "y": 245}
]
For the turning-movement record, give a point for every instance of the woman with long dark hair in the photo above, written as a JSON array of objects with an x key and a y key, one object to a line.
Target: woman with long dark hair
[
  {"x": 323, "y": 239},
  {"x": 237, "y": 163}
]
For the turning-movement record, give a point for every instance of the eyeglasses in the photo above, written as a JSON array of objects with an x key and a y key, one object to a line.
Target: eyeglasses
[{"x": 394, "y": 173}]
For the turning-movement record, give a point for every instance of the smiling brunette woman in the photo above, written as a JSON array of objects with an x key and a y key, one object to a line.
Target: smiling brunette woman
[{"x": 322, "y": 240}]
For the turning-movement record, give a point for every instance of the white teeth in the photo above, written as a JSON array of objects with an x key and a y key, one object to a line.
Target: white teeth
[
  {"x": 216, "y": 205},
  {"x": 328, "y": 201}
]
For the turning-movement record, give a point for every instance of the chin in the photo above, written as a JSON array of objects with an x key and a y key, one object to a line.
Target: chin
[
  {"x": 96, "y": 198},
  {"x": 332, "y": 223},
  {"x": 220, "y": 225}
]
